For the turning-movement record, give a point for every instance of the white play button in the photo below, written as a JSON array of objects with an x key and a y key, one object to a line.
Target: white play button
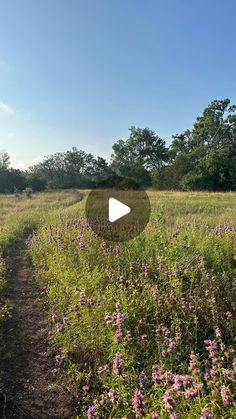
[
  {"x": 117, "y": 210},
  {"x": 117, "y": 214}
]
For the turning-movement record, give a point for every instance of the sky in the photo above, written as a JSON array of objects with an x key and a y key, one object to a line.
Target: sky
[{"x": 81, "y": 72}]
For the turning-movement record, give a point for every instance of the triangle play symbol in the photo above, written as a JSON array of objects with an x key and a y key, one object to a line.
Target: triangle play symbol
[{"x": 117, "y": 210}]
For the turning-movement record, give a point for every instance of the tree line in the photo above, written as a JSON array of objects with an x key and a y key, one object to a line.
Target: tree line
[{"x": 203, "y": 158}]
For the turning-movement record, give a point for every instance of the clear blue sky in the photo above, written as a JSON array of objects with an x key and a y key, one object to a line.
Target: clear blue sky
[{"x": 80, "y": 72}]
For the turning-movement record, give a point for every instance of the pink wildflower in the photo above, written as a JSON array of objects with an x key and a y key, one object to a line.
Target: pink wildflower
[
  {"x": 218, "y": 332},
  {"x": 193, "y": 364},
  {"x": 138, "y": 403},
  {"x": 226, "y": 396},
  {"x": 118, "y": 364},
  {"x": 92, "y": 412},
  {"x": 169, "y": 402},
  {"x": 82, "y": 300},
  {"x": 190, "y": 393},
  {"x": 205, "y": 414}
]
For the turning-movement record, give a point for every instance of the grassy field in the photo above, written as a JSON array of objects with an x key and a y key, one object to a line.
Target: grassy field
[
  {"x": 19, "y": 215},
  {"x": 145, "y": 328}
]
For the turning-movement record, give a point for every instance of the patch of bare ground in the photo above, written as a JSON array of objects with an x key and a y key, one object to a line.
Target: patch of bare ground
[{"x": 27, "y": 386}]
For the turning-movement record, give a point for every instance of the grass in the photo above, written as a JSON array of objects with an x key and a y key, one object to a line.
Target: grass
[
  {"x": 145, "y": 328},
  {"x": 19, "y": 215}
]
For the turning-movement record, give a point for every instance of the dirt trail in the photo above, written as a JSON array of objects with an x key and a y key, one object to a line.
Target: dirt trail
[{"x": 28, "y": 388}]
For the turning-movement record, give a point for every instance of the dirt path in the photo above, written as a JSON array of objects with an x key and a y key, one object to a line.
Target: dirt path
[{"x": 28, "y": 388}]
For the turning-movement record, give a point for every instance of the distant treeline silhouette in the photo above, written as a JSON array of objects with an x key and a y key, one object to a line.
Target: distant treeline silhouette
[{"x": 203, "y": 158}]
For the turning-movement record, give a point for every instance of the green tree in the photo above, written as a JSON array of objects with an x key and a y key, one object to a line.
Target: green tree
[
  {"x": 35, "y": 182},
  {"x": 136, "y": 157},
  {"x": 4, "y": 160},
  {"x": 204, "y": 158},
  {"x": 72, "y": 169}
]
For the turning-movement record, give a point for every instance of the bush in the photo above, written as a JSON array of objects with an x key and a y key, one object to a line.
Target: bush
[
  {"x": 35, "y": 182},
  {"x": 28, "y": 192}
]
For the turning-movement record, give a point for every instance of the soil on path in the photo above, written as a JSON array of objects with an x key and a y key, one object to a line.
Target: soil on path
[{"x": 27, "y": 386}]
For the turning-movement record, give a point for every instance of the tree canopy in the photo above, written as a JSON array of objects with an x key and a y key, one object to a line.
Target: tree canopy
[
  {"x": 203, "y": 157},
  {"x": 136, "y": 157}
]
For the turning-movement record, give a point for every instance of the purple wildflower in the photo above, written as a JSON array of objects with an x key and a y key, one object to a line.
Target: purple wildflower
[
  {"x": 229, "y": 315},
  {"x": 112, "y": 395},
  {"x": 190, "y": 393},
  {"x": 156, "y": 376},
  {"x": 169, "y": 402},
  {"x": 218, "y": 332},
  {"x": 103, "y": 400},
  {"x": 230, "y": 375},
  {"x": 143, "y": 379},
  {"x": 74, "y": 308},
  {"x": 128, "y": 335},
  {"x": 55, "y": 318},
  {"x": 178, "y": 382},
  {"x": 193, "y": 364},
  {"x": 92, "y": 412},
  {"x": 205, "y": 414},
  {"x": 118, "y": 364},
  {"x": 82, "y": 298},
  {"x": 226, "y": 396},
  {"x": 138, "y": 403}
]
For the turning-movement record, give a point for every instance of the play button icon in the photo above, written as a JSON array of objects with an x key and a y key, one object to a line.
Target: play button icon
[
  {"x": 117, "y": 210},
  {"x": 116, "y": 214}
]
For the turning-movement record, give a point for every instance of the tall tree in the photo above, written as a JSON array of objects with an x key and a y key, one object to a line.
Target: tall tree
[
  {"x": 72, "y": 169},
  {"x": 208, "y": 151},
  {"x": 136, "y": 157},
  {"x": 4, "y": 160}
]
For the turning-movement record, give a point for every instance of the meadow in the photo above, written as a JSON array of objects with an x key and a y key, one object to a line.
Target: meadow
[
  {"x": 144, "y": 328},
  {"x": 19, "y": 215}
]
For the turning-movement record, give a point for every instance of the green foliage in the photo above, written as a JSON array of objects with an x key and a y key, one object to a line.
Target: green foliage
[
  {"x": 171, "y": 288},
  {"x": 2, "y": 287},
  {"x": 137, "y": 156},
  {"x": 205, "y": 158},
  {"x": 11, "y": 179},
  {"x": 72, "y": 169},
  {"x": 19, "y": 216},
  {"x": 156, "y": 179},
  {"x": 201, "y": 158},
  {"x": 35, "y": 182},
  {"x": 28, "y": 192}
]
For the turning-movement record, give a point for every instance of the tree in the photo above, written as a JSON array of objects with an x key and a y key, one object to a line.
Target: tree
[
  {"x": 137, "y": 156},
  {"x": 180, "y": 144},
  {"x": 4, "y": 161},
  {"x": 11, "y": 180},
  {"x": 102, "y": 170},
  {"x": 79, "y": 168},
  {"x": 72, "y": 169},
  {"x": 35, "y": 182},
  {"x": 156, "y": 179},
  {"x": 216, "y": 127},
  {"x": 204, "y": 157},
  {"x": 51, "y": 170}
]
